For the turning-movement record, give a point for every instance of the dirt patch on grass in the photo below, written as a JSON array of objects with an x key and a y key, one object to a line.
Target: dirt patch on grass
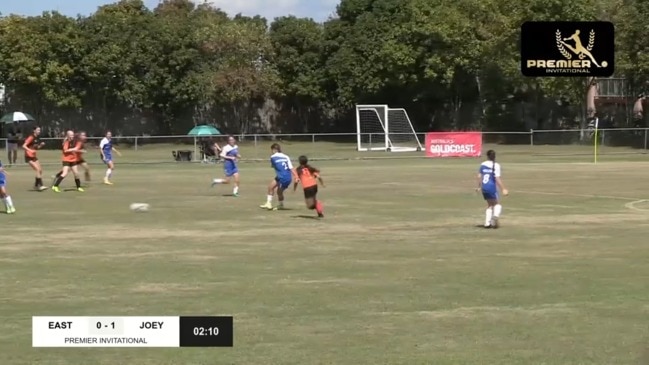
[
  {"x": 471, "y": 312},
  {"x": 289, "y": 281},
  {"x": 539, "y": 254},
  {"x": 17, "y": 248},
  {"x": 9, "y": 261},
  {"x": 156, "y": 288},
  {"x": 555, "y": 206},
  {"x": 198, "y": 258}
]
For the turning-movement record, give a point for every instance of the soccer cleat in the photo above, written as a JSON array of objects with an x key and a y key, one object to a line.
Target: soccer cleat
[
  {"x": 236, "y": 195},
  {"x": 268, "y": 206},
  {"x": 11, "y": 210},
  {"x": 214, "y": 183},
  {"x": 494, "y": 222},
  {"x": 80, "y": 190},
  {"x": 107, "y": 182},
  {"x": 56, "y": 189},
  {"x": 41, "y": 188},
  {"x": 320, "y": 215}
]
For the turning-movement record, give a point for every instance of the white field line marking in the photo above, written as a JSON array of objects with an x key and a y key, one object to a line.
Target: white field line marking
[
  {"x": 632, "y": 205},
  {"x": 632, "y": 202},
  {"x": 578, "y": 195}
]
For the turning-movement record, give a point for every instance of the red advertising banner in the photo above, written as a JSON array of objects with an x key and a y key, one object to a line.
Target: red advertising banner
[{"x": 453, "y": 144}]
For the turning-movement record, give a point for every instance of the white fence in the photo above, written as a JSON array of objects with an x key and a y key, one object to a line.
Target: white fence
[{"x": 148, "y": 149}]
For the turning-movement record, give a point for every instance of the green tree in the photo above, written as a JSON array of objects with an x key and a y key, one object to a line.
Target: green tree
[
  {"x": 298, "y": 56},
  {"x": 632, "y": 58},
  {"x": 119, "y": 51},
  {"x": 238, "y": 70},
  {"x": 39, "y": 56}
]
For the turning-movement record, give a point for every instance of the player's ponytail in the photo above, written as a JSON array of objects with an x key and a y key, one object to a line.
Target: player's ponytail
[{"x": 491, "y": 155}]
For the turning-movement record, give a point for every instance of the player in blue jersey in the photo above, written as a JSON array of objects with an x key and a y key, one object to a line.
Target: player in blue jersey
[
  {"x": 488, "y": 183},
  {"x": 230, "y": 155},
  {"x": 284, "y": 174},
  {"x": 106, "y": 149},
  {"x": 6, "y": 199}
]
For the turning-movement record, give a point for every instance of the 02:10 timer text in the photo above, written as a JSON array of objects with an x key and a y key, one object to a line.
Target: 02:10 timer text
[{"x": 202, "y": 331}]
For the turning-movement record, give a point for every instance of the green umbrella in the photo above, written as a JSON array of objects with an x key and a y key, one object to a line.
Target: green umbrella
[
  {"x": 204, "y": 130},
  {"x": 16, "y": 117}
]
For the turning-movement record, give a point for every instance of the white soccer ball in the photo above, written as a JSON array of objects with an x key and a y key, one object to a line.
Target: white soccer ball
[{"x": 139, "y": 207}]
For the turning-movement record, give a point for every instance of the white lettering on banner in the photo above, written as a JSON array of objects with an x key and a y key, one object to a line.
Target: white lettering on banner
[{"x": 452, "y": 148}]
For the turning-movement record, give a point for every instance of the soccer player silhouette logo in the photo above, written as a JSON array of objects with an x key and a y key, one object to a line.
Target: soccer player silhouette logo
[{"x": 579, "y": 49}]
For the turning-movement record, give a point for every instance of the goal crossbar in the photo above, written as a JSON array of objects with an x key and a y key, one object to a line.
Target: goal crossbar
[{"x": 381, "y": 128}]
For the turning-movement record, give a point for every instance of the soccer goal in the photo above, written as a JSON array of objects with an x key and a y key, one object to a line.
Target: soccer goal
[{"x": 381, "y": 128}]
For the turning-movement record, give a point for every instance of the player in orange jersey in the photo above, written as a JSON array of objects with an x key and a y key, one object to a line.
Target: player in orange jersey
[
  {"x": 69, "y": 159},
  {"x": 79, "y": 143},
  {"x": 309, "y": 177},
  {"x": 31, "y": 145},
  {"x": 81, "y": 140}
]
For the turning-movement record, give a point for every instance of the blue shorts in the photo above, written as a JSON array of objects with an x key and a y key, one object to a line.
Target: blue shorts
[
  {"x": 489, "y": 195},
  {"x": 229, "y": 171},
  {"x": 3, "y": 182},
  {"x": 108, "y": 160},
  {"x": 283, "y": 184}
]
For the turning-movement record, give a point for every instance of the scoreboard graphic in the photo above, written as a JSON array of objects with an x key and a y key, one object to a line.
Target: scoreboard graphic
[{"x": 132, "y": 331}]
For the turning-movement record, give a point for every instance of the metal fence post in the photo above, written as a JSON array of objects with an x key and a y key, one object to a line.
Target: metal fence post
[
  {"x": 313, "y": 138},
  {"x": 136, "y": 143},
  {"x": 369, "y": 147},
  {"x": 645, "y": 138},
  {"x": 531, "y": 137}
]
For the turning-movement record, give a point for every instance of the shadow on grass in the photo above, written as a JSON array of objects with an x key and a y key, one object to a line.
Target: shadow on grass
[
  {"x": 303, "y": 216},
  {"x": 483, "y": 227}
]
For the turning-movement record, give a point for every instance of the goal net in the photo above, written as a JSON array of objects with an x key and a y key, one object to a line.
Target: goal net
[{"x": 381, "y": 128}]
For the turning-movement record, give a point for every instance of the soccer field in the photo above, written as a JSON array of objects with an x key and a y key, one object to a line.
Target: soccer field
[{"x": 397, "y": 273}]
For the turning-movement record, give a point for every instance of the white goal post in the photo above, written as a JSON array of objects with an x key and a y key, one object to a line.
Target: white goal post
[{"x": 381, "y": 128}]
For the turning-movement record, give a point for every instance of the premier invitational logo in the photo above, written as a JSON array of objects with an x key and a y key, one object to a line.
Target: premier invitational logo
[{"x": 567, "y": 49}]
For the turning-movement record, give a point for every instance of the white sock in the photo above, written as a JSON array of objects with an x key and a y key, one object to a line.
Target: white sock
[
  {"x": 8, "y": 202},
  {"x": 497, "y": 210},
  {"x": 488, "y": 213},
  {"x": 218, "y": 181},
  {"x": 235, "y": 190},
  {"x": 269, "y": 199},
  {"x": 109, "y": 173}
]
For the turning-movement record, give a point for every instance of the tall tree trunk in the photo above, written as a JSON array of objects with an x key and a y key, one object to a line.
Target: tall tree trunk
[
  {"x": 638, "y": 112},
  {"x": 483, "y": 108},
  {"x": 591, "y": 95}
]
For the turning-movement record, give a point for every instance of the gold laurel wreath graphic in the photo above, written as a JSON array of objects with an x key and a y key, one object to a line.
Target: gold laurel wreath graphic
[
  {"x": 563, "y": 51},
  {"x": 591, "y": 43},
  {"x": 591, "y": 40}
]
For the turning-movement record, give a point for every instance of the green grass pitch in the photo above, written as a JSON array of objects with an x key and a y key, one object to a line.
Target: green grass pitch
[{"x": 397, "y": 272}]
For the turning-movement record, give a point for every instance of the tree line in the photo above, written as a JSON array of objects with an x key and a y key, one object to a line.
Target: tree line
[{"x": 454, "y": 65}]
